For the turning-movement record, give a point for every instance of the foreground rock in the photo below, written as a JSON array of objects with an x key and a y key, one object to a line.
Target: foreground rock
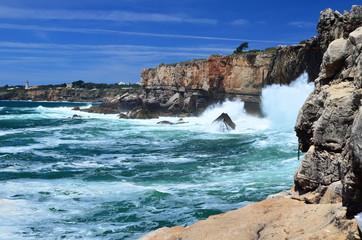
[
  {"x": 224, "y": 122},
  {"x": 269, "y": 219},
  {"x": 329, "y": 125}
]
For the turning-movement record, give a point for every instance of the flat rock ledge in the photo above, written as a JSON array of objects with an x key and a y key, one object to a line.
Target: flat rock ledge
[{"x": 275, "y": 218}]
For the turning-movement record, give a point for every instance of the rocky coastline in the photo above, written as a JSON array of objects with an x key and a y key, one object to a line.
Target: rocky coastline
[
  {"x": 188, "y": 88},
  {"x": 327, "y": 191}
]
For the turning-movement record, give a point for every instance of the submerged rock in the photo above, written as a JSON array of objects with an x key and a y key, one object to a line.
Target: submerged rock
[
  {"x": 171, "y": 123},
  {"x": 225, "y": 123}
]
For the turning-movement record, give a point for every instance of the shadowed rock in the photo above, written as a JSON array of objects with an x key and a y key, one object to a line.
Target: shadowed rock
[
  {"x": 142, "y": 113},
  {"x": 171, "y": 123},
  {"x": 166, "y": 123},
  {"x": 225, "y": 123}
]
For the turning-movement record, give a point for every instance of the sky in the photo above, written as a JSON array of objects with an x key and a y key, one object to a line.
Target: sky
[{"x": 111, "y": 41}]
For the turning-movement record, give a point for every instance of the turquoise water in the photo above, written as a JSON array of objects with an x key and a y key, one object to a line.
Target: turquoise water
[{"x": 100, "y": 177}]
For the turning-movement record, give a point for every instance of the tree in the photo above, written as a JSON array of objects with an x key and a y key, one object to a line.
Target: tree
[
  {"x": 78, "y": 84},
  {"x": 241, "y": 48}
]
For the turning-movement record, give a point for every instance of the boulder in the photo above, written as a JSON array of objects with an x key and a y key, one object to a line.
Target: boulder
[
  {"x": 225, "y": 123},
  {"x": 141, "y": 113},
  {"x": 123, "y": 116},
  {"x": 129, "y": 101},
  {"x": 334, "y": 57},
  {"x": 356, "y": 36},
  {"x": 76, "y": 116}
]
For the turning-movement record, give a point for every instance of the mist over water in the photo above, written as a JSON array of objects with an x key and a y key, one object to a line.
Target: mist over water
[{"x": 100, "y": 177}]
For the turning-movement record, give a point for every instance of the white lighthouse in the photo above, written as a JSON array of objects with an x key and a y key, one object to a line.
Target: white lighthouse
[{"x": 27, "y": 84}]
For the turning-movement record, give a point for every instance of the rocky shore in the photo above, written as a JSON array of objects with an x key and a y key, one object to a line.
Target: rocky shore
[
  {"x": 188, "y": 88},
  {"x": 327, "y": 190},
  {"x": 63, "y": 94}
]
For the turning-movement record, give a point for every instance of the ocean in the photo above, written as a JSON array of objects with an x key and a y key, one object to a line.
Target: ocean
[{"x": 100, "y": 177}]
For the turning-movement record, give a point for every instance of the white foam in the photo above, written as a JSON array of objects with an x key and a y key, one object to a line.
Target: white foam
[
  {"x": 358, "y": 218},
  {"x": 281, "y": 103}
]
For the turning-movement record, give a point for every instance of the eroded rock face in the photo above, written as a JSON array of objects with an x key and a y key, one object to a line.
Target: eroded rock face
[
  {"x": 290, "y": 62},
  {"x": 192, "y": 86},
  {"x": 334, "y": 25},
  {"x": 329, "y": 124}
]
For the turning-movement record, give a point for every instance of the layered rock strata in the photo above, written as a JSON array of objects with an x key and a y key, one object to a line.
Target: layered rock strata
[{"x": 192, "y": 86}]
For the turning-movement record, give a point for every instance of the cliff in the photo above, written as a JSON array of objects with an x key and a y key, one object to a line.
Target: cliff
[
  {"x": 329, "y": 125},
  {"x": 62, "y": 94},
  {"x": 328, "y": 183},
  {"x": 191, "y": 86}
]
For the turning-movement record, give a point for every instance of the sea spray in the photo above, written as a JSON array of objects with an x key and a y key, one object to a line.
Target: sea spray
[
  {"x": 106, "y": 178},
  {"x": 281, "y": 103}
]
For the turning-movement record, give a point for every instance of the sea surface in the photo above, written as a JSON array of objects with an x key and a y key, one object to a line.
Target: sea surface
[{"x": 100, "y": 177}]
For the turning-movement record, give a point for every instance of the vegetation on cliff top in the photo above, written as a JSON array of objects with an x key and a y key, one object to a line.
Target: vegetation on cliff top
[
  {"x": 80, "y": 84},
  {"x": 239, "y": 51}
]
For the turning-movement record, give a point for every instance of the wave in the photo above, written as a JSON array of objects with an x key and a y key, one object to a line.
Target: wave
[{"x": 280, "y": 105}]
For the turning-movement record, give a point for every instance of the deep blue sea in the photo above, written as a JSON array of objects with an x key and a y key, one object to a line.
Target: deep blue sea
[{"x": 100, "y": 177}]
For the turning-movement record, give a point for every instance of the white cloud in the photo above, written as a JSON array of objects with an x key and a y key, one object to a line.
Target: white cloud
[
  {"x": 143, "y": 34},
  {"x": 118, "y": 16},
  {"x": 240, "y": 22},
  {"x": 302, "y": 24}
]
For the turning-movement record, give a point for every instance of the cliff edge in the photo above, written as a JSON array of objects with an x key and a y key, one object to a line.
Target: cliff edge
[{"x": 327, "y": 190}]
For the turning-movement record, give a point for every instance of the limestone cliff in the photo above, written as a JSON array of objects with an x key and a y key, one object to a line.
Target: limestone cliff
[
  {"x": 193, "y": 85},
  {"x": 329, "y": 125}
]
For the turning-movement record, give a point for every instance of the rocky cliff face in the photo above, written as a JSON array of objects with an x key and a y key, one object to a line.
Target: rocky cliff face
[
  {"x": 290, "y": 62},
  {"x": 191, "y": 86},
  {"x": 329, "y": 125},
  {"x": 333, "y": 25}
]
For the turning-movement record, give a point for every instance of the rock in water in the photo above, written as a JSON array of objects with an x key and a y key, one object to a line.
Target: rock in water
[
  {"x": 166, "y": 123},
  {"x": 225, "y": 123},
  {"x": 142, "y": 113}
]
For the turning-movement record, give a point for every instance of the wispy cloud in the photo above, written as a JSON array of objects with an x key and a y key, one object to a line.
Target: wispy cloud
[
  {"x": 143, "y": 34},
  {"x": 302, "y": 24},
  {"x": 39, "y": 52},
  {"x": 118, "y": 16},
  {"x": 240, "y": 22},
  {"x": 104, "y": 47}
]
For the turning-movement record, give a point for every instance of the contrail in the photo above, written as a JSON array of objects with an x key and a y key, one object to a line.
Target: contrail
[{"x": 145, "y": 34}]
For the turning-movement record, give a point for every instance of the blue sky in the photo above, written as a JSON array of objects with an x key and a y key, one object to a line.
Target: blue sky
[{"x": 109, "y": 41}]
